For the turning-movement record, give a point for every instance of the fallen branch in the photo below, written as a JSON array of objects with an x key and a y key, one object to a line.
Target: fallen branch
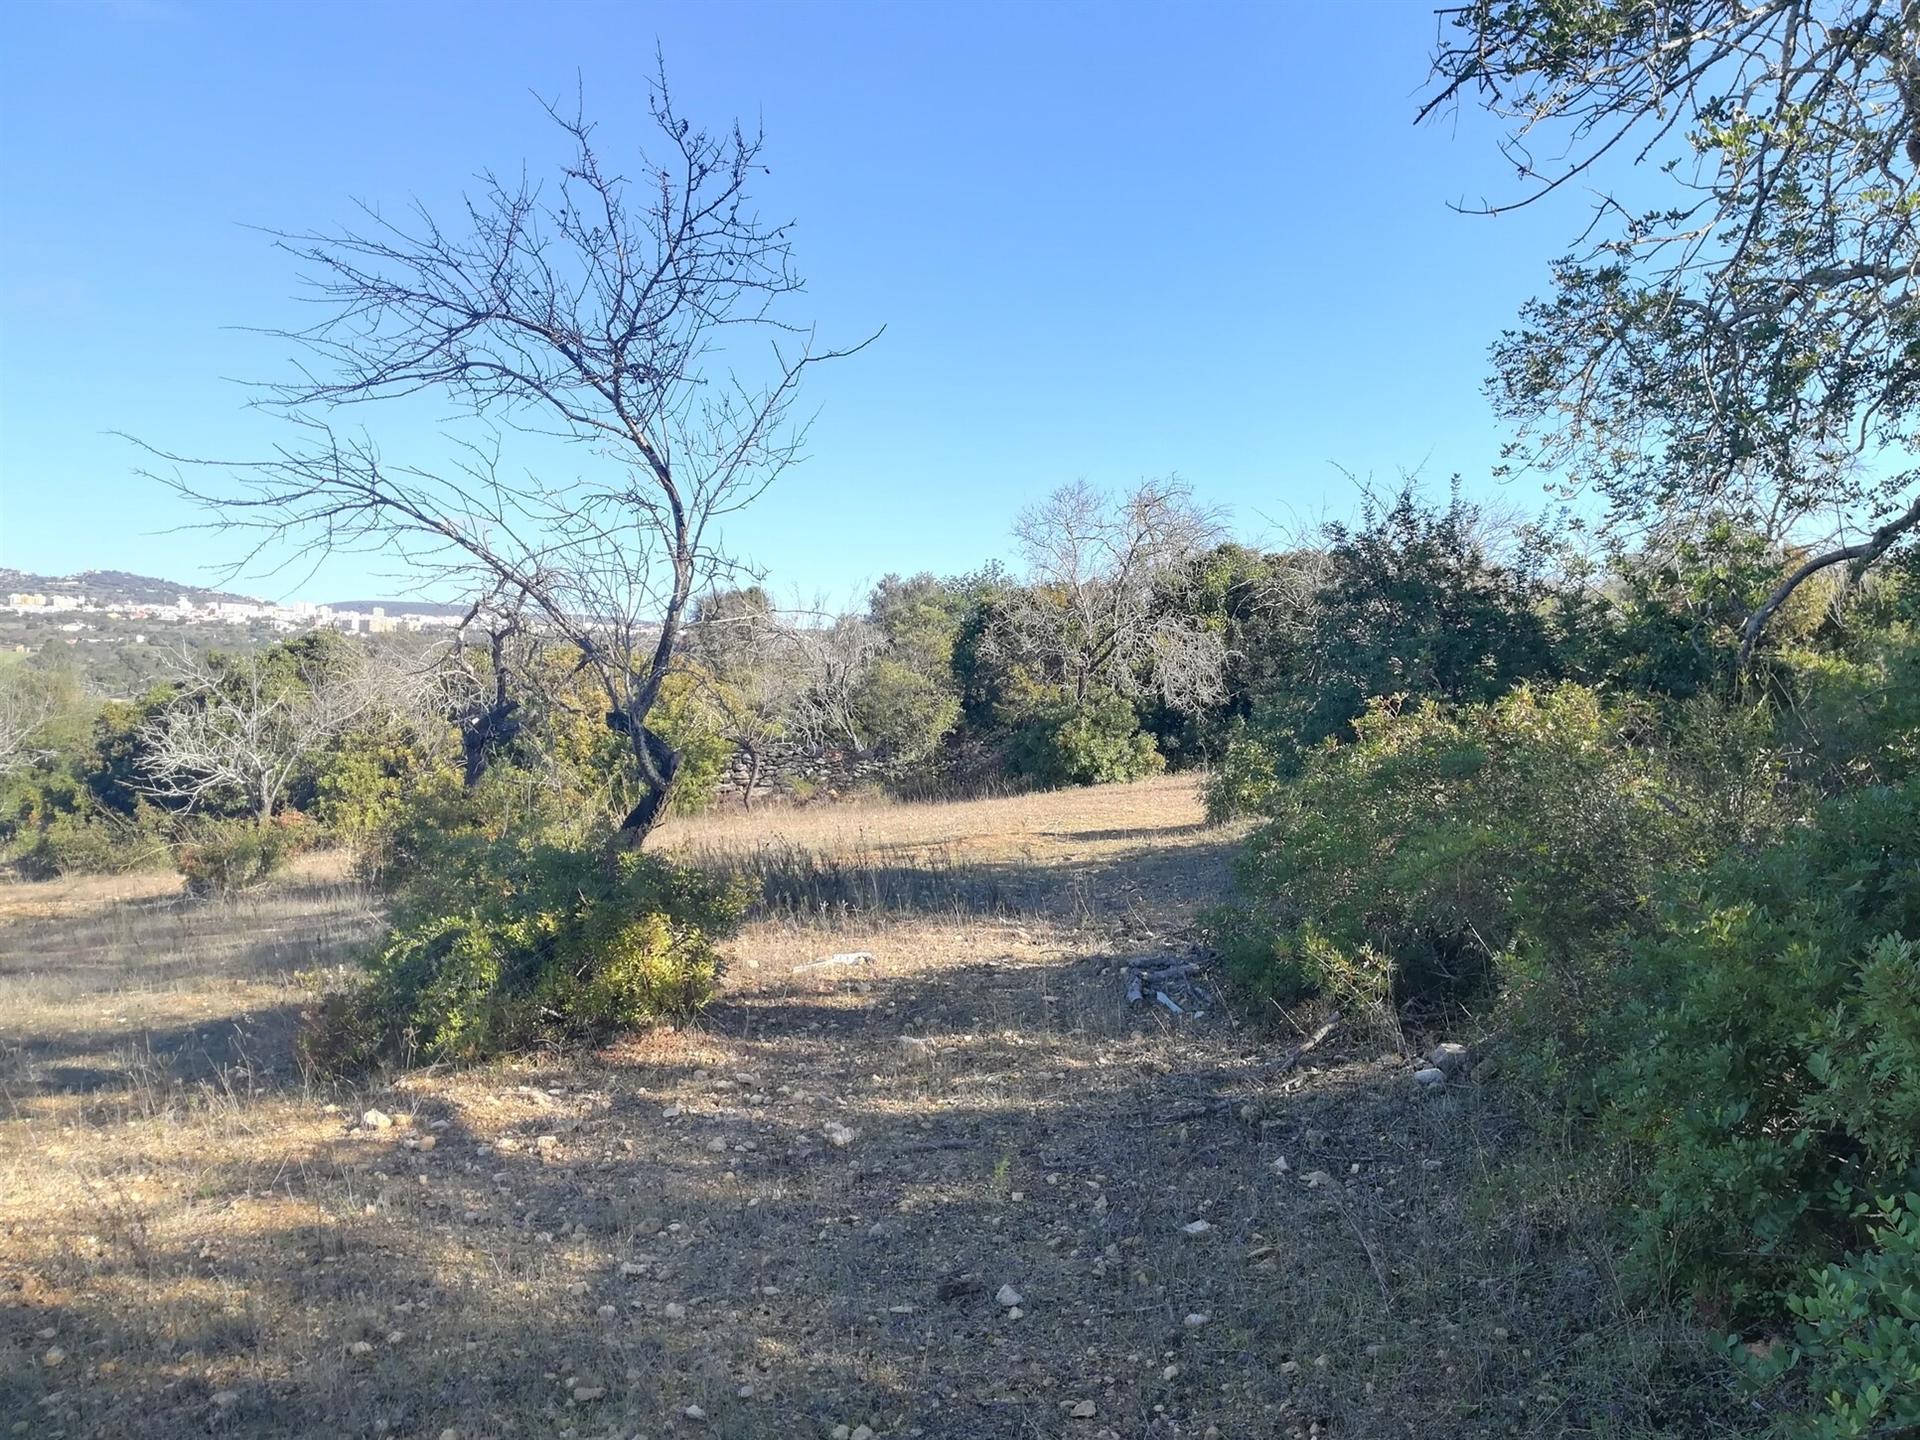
[
  {"x": 1172, "y": 972},
  {"x": 855, "y": 957},
  {"x": 1292, "y": 1057}
]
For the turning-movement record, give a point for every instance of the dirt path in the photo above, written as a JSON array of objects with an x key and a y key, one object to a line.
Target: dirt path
[{"x": 796, "y": 1217}]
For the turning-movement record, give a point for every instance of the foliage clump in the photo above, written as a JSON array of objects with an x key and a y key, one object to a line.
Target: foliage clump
[
  {"x": 1448, "y": 852},
  {"x": 1096, "y": 742},
  {"x": 511, "y": 943},
  {"x": 224, "y": 857}
]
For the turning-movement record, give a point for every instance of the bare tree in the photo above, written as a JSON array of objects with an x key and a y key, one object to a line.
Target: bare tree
[
  {"x": 833, "y": 661},
  {"x": 27, "y": 705},
  {"x": 1090, "y": 616},
  {"x": 244, "y": 727},
  {"x": 592, "y": 312},
  {"x": 751, "y": 673}
]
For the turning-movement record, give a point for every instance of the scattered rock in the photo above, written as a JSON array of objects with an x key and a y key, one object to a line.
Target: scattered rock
[
  {"x": 838, "y": 1135},
  {"x": 225, "y": 1399},
  {"x": 377, "y": 1120},
  {"x": 1085, "y": 1410},
  {"x": 1449, "y": 1057},
  {"x": 1008, "y": 1298},
  {"x": 1198, "y": 1318},
  {"x": 1431, "y": 1076},
  {"x": 1280, "y": 1166},
  {"x": 674, "y": 1311},
  {"x": 1314, "y": 1179},
  {"x": 587, "y": 1394},
  {"x": 360, "y": 1347},
  {"x": 630, "y": 1268},
  {"x": 694, "y": 1412},
  {"x": 547, "y": 1142},
  {"x": 1197, "y": 1227},
  {"x": 54, "y": 1357}
]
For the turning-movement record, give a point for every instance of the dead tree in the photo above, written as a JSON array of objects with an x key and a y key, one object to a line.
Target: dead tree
[
  {"x": 27, "y": 705},
  {"x": 590, "y": 311},
  {"x": 1090, "y": 617},
  {"x": 484, "y": 700},
  {"x": 242, "y": 728}
]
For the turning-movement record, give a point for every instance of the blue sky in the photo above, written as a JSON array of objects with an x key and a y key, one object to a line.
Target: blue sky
[{"x": 1106, "y": 241}]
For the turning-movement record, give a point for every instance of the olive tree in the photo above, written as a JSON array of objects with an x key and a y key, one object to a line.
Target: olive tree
[{"x": 1738, "y": 338}]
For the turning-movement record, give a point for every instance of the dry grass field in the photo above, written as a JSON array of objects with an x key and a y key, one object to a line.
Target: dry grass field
[{"x": 795, "y": 1218}]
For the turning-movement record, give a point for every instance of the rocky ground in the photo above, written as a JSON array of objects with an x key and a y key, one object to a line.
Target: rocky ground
[{"x": 959, "y": 1188}]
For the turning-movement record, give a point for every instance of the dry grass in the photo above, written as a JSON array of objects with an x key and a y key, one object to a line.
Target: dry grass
[
  {"x": 193, "y": 1240},
  {"x": 1142, "y": 850}
]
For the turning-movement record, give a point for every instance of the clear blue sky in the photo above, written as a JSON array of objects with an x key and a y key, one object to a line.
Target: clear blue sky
[{"x": 1107, "y": 241}]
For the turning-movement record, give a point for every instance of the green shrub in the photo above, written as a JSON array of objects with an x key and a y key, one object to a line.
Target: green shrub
[
  {"x": 1458, "y": 850},
  {"x": 227, "y": 856},
  {"x": 509, "y": 943},
  {"x": 1856, "y": 1334},
  {"x": 1768, "y": 1079},
  {"x": 1257, "y": 761},
  {"x": 1098, "y": 742},
  {"x": 87, "y": 841}
]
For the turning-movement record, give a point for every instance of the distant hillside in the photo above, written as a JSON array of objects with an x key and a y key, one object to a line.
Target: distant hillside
[{"x": 110, "y": 587}]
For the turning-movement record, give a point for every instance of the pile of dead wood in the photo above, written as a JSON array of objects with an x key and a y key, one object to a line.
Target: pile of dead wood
[{"x": 1169, "y": 981}]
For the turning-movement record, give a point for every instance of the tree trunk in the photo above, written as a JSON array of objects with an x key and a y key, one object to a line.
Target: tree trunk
[
  {"x": 753, "y": 776},
  {"x": 659, "y": 769}
]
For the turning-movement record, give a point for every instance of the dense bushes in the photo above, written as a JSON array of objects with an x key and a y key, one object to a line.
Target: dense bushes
[
  {"x": 1693, "y": 920},
  {"x": 507, "y": 943},
  {"x": 1098, "y": 742},
  {"x": 1446, "y": 853},
  {"x": 1772, "y": 1084},
  {"x": 223, "y": 857}
]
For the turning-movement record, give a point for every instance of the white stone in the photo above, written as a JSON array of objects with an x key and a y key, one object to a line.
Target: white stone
[
  {"x": 1009, "y": 1297},
  {"x": 1430, "y": 1076},
  {"x": 377, "y": 1120}
]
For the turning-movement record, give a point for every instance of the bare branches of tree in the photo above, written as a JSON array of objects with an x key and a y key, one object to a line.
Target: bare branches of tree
[
  {"x": 1090, "y": 617},
  {"x": 27, "y": 705},
  {"x": 593, "y": 310},
  {"x": 244, "y": 727}
]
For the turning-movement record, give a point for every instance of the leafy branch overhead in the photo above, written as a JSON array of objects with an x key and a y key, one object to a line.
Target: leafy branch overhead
[{"x": 1739, "y": 337}]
